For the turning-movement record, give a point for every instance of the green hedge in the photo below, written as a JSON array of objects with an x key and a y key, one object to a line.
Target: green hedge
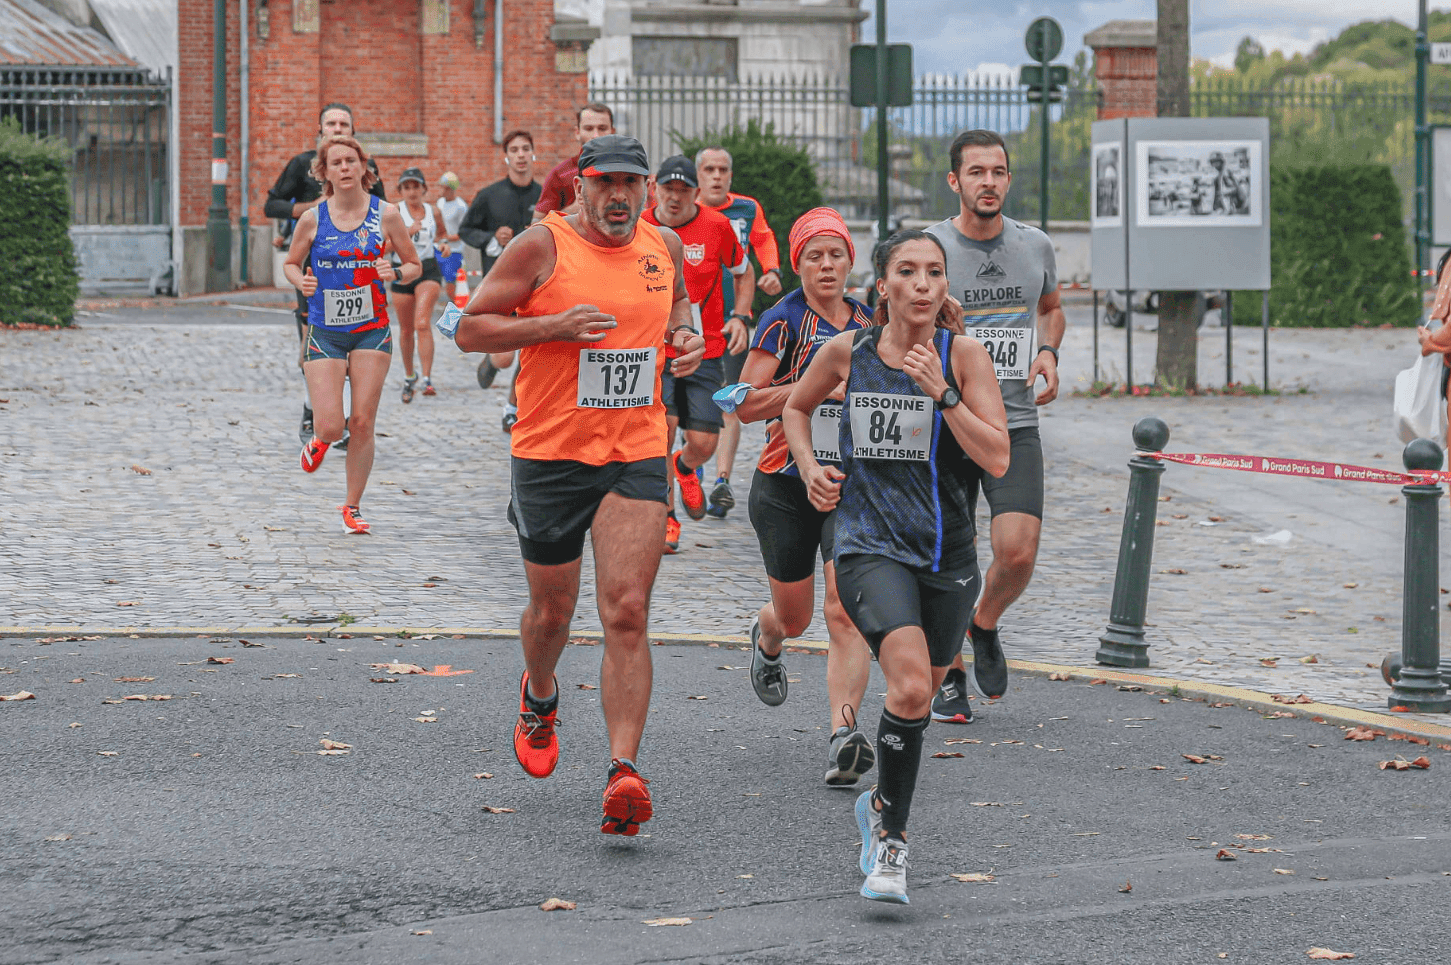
[
  {"x": 1338, "y": 253},
  {"x": 775, "y": 173},
  {"x": 40, "y": 282}
]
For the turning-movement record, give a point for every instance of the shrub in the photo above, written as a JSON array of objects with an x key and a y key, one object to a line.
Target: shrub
[
  {"x": 1337, "y": 251},
  {"x": 40, "y": 282},
  {"x": 775, "y": 173}
]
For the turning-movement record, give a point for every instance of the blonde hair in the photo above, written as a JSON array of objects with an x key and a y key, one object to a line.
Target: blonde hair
[
  {"x": 949, "y": 316},
  {"x": 319, "y": 162}
]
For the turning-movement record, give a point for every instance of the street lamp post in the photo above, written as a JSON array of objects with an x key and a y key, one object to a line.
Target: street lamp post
[
  {"x": 219, "y": 219},
  {"x": 1423, "y": 135}
]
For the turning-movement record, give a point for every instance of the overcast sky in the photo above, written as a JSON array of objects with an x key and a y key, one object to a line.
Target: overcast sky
[{"x": 956, "y": 36}]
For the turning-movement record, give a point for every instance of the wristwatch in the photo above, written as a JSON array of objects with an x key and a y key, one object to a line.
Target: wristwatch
[
  {"x": 950, "y": 398},
  {"x": 745, "y": 319},
  {"x": 1049, "y": 348}
]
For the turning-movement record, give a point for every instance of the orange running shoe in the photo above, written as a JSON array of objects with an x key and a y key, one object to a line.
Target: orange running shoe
[
  {"x": 627, "y": 800},
  {"x": 691, "y": 493},
  {"x": 312, "y": 454},
  {"x": 353, "y": 520},
  {"x": 535, "y": 745},
  {"x": 672, "y": 535}
]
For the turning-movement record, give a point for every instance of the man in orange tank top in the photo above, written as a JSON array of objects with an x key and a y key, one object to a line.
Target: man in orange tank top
[{"x": 592, "y": 301}]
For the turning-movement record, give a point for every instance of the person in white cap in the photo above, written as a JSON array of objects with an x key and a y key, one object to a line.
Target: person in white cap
[{"x": 453, "y": 208}]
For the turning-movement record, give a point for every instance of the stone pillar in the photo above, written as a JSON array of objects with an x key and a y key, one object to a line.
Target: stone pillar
[{"x": 1126, "y": 65}]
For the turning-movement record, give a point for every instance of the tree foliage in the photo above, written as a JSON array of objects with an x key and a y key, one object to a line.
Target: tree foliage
[{"x": 40, "y": 283}]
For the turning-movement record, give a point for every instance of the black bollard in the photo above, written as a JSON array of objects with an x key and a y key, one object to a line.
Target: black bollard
[
  {"x": 1122, "y": 644},
  {"x": 1419, "y": 686}
]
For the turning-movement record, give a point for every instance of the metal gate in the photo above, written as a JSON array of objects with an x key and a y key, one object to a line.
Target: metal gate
[{"x": 117, "y": 123}]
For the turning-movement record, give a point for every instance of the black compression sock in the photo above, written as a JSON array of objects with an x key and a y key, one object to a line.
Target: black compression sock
[
  {"x": 681, "y": 467},
  {"x": 899, "y": 755},
  {"x": 541, "y": 707}
]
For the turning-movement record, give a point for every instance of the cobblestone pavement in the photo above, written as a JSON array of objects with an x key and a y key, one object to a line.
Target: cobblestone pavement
[{"x": 149, "y": 479}]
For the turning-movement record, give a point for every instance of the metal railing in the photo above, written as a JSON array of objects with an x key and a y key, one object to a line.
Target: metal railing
[{"x": 117, "y": 124}]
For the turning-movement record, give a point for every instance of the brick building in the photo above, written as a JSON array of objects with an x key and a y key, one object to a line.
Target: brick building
[
  {"x": 1126, "y": 66},
  {"x": 419, "y": 75}
]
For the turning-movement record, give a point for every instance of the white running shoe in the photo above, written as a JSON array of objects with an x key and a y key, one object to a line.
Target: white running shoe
[{"x": 887, "y": 881}]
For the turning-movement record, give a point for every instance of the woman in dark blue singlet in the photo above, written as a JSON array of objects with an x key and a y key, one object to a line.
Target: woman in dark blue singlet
[
  {"x": 347, "y": 310},
  {"x": 922, "y": 419}
]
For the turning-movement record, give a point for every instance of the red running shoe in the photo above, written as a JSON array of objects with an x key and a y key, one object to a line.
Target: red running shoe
[
  {"x": 535, "y": 744},
  {"x": 353, "y": 520},
  {"x": 691, "y": 493},
  {"x": 672, "y": 535},
  {"x": 312, "y": 454},
  {"x": 627, "y": 800}
]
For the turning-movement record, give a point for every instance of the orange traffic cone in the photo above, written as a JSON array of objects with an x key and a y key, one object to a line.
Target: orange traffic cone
[{"x": 461, "y": 288}]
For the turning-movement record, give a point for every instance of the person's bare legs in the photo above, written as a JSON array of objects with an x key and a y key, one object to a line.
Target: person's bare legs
[
  {"x": 629, "y": 538},
  {"x": 544, "y": 624},
  {"x": 787, "y": 614},
  {"x": 848, "y": 659},
  {"x": 367, "y": 370},
  {"x": 425, "y": 296},
  {"x": 502, "y": 360},
  {"x": 730, "y": 441},
  {"x": 325, "y": 378},
  {"x": 403, "y": 308},
  {"x": 1015, "y": 553}
]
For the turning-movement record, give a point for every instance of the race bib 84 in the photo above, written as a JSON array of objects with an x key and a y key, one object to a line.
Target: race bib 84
[{"x": 887, "y": 426}]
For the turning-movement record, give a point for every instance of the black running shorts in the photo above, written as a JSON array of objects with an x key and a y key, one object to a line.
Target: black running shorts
[
  {"x": 430, "y": 272},
  {"x": 788, "y": 527},
  {"x": 881, "y": 595},
  {"x": 553, "y": 502},
  {"x": 1020, "y": 490},
  {"x": 689, "y": 399}
]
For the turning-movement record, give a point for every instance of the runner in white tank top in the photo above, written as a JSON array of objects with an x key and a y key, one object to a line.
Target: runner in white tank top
[
  {"x": 413, "y": 303},
  {"x": 453, "y": 208}
]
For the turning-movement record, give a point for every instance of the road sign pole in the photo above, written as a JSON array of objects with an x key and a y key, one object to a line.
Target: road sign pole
[
  {"x": 1423, "y": 51},
  {"x": 1043, "y": 58},
  {"x": 882, "y": 198}
]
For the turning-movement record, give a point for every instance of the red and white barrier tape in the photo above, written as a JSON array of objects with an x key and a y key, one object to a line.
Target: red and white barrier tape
[{"x": 1306, "y": 468}]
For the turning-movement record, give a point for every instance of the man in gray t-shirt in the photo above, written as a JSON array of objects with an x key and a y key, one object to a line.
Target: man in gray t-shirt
[{"x": 1005, "y": 277}]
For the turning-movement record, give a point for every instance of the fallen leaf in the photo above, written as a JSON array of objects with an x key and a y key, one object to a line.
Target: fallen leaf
[
  {"x": 698, "y": 697},
  {"x": 444, "y": 670},
  {"x": 74, "y": 724},
  {"x": 1350, "y": 586},
  {"x": 332, "y": 753},
  {"x": 128, "y": 603},
  {"x": 1284, "y": 871},
  {"x": 1130, "y": 688},
  {"x": 333, "y": 745},
  {"x": 1269, "y": 661},
  {"x": 483, "y": 776},
  {"x": 1328, "y": 954},
  {"x": 19, "y": 695},
  {"x": 1128, "y": 887},
  {"x": 140, "y": 470},
  {"x": 1299, "y": 699},
  {"x": 1216, "y": 519},
  {"x": 556, "y": 904},
  {"x": 220, "y": 660},
  {"x": 1095, "y": 683},
  {"x": 1156, "y": 767},
  {"x": 1254, "y": 837},
  {"x": 1266, "y": 589},
  {"x": 1060, "y": 676},
  {"x": 108, "y": 753},
  {"x": 426, "y": 720},
  {"x": 494, "y": 810},
  {"x": 77, "y": 680},
  {"x": 60, "y": 837},
  {"x": 400, "y": 668},
  {"x": 134, "y": 680},
  {"x": 1224, "y": 855},
  {"x": 962, "y": 740},
  {"x": 429, "y": 586},
  {"x": 408, "y": 492},
  {"x": 948, "y": 754},
  {"x": 976, "y": 878},
  {"x": 422, "y": 931},
  {"x": 1363, "y": 734},
  {"x": 275, "y": 529},
  {"x": 383, "y": 680},
  {"x": 1194, "y": 759},
  {"x": 1303, "y": 609},
  {"x": 1176, "y": 572},
  {"x": 1313, "y": 658},
  {"x": 657, "y": 922},
  {"x": 586, "y": 686},
  {"x": 1424, "y": 763},
  {"x": 1180, "y": 515}
]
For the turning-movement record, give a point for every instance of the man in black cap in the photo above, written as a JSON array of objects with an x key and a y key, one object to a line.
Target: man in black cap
[
  {"x": 592, "y": 301},
  {"x": 712, "y": 249},
  {"x": 296, "y": 192}
]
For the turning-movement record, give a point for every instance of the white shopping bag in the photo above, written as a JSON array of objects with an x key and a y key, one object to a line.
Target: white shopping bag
[{"x": 1420, "y": 412}]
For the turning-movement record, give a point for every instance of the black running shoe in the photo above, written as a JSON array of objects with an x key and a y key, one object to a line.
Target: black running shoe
[
  {"x": 721, "y": 500},
  {"x": 768, "y": 677},
  {"x": 950, "y": 704},
  {"x": 487, "y": 371},
  {"x": 509, "y": 419},
  {"x": 989, "y": 675}
]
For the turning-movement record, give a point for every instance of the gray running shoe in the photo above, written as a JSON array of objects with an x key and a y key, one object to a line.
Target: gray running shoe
[
  {"x": 410, "y": 382},
  {"x": 487, "y": 371},
  {"x": 768, "y": 677},
  {"x": 989, "y": 675},
  {"x": 887, "y": 881},
  {"x": 852, "y": 755},
  {"x": 950, "y": 705},
  {"x": 869, "y": 822}
]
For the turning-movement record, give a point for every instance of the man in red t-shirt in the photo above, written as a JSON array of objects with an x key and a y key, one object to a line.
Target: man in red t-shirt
[
  {"x": 711, "y": 250},
  {"x": 590, "y": 121}
]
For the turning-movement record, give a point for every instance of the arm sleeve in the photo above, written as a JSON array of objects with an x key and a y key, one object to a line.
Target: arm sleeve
[
  {"x": 284, "y": 193},
  {"x": 474, "y": 227},
  {"x": 763, "y": 242}
]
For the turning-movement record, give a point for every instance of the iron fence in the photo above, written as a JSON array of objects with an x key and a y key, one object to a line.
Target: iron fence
[
  {"x": 117, "y": 124},
  {"x": 1310, "y": 121}
]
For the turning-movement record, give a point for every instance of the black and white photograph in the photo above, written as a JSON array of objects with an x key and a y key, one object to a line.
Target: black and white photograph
[
  {"x": 1202, "y": 184},
  {"x": 1107, "y": 185}
]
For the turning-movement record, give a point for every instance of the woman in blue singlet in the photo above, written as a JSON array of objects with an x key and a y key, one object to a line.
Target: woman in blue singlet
[
  {"x": 922, "y": 419},
  {"x": 347, "y": 336}
]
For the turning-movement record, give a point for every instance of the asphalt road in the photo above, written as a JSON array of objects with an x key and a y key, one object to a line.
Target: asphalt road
[{"x": 206, "y": 828}]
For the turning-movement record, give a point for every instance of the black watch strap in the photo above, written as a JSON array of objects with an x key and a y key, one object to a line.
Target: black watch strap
[{"x": 1049, "y": 348}]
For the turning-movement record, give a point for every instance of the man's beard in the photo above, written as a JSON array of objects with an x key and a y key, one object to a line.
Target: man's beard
[
  {"x": 601, "y": 219},
  {"x": 987, "y": 215}
]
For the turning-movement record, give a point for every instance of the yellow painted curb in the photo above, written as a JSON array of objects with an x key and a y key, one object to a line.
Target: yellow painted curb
[{"x": 1243, "y": 697}]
